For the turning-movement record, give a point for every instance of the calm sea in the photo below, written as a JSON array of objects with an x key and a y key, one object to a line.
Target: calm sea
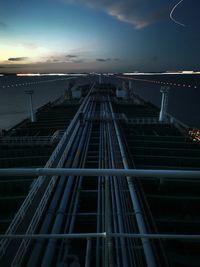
[
  {"x": 184, "y": 96},
  {"x": 14, "y": 105}
]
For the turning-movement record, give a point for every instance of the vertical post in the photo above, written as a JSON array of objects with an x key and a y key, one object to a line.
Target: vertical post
[
  {"x": 124, "y": 85},
  {"x": 106, "y": 263},
  {"x": 88, "y": 253},
  {"x": 108, "y": 242},
  {"x": 126, "y": 90},
  {"x": 100, "y": 79},
  {"x": 67, "y": 92},
  {"x": 32, "y": 115},
  {"x": 163, "y": 109},
  {"x": 130, "y": 86}
]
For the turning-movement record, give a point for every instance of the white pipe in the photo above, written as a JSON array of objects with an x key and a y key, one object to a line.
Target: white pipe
[
  {"x": 139, "y": 173},
  {"x": 102, "y": 235},
  {"x": 156, "y": 236},
  {"x": 150, "y": 259},
  {"x": 53, "y": 236}
]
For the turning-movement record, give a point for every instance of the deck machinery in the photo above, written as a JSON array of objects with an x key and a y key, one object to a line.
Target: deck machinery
[{"x": 107, "y": 132}]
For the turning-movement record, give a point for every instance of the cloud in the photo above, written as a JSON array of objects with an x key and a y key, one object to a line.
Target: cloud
[
  {"x": 138, "y": 13},
  {"x": 107, "y": 59},
  {"x": 18, "y": 59},
  {"x": 71, "y": 56},
  {"x": 11, "y": 66},
  {"x": 53, "y": 60},
  {"x": 103, "y": 59},
  {"x": 78, "y": 61}
]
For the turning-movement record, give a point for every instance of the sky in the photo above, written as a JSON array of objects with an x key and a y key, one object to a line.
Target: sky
[{"x": 98, "y": 35}]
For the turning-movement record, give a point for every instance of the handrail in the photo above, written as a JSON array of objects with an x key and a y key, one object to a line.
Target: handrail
[
  {"x": 144, "y": 120},
  {"x": 37, "y": 184},
  {"x": 24, "y": 139},
  {"x": 139, "y": 173},
  {"x": 103, "y": 235},
  {"x": 148, "y": 253},
  {"x": 105, "y": 116}
]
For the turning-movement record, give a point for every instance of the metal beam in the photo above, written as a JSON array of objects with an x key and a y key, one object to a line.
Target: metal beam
[
  {"x": 173, "y": 197},
  {"x": 139, "y": 173},
  {"x": 149, "y": 255},
  {"x": 102, "y": 235},
  {"x": 53, "y": 236}
]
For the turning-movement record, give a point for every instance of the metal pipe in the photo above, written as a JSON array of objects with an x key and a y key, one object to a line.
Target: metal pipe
[
  {"x": 75, "y": 198},
  {"x": 113, "y": 198},
  {"x": 102, "y": 235},
  {"x": 157, "y": 236},
  {"x": 72, "y": 127},
  {"x": 119, "y": 213},
  {"x": 40, "y": 180},
  {"x": 88, "y": 253},
  {"x": 49, "y": 252},
  {"x": 99, "y": 196},
  {"x": 100, "y": 199},
  {"x": 53, "y": 236},
  {"x": 139, "y": 173},
  {"x": 114, "y": 150},
  {"x": 150, "y": 259},
  {"x": 70, "y": 221},
  {"x": 45, "y": 225},
  {"x": 106, "y": 207},
  {"x": 37, "y": 248},
  {"x": 73, "y": 207},
  {"x": 37, "y": 215},
  {"x": 47, "y": 221},
  {"x": 100, "y": 253},
  {"x": 108, "y": 221}
]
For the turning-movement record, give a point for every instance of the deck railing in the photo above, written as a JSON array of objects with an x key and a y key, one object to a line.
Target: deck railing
[{"x": 139, "y": 173}]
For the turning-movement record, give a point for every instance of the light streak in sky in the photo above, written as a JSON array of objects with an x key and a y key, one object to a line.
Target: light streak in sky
[{"x": 171, "y": 14}]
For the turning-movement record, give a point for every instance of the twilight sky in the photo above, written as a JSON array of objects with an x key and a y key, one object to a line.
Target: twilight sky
[{"x": 98, "y": 35}]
